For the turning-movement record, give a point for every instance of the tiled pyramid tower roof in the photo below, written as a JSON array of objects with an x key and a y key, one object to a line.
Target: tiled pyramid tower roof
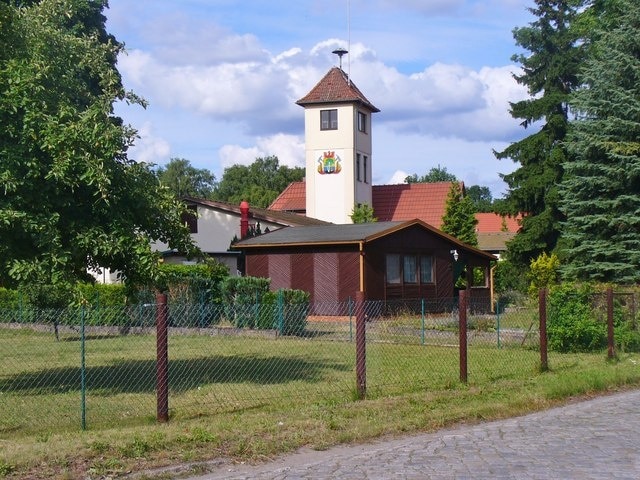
[{"x": 335, "y": 87}]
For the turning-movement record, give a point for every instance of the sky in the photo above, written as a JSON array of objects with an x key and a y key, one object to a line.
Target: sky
[{"x": 221, "y": 78}]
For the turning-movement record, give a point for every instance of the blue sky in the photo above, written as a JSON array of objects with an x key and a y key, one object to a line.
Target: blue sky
[{"x": 222, "y": 77}]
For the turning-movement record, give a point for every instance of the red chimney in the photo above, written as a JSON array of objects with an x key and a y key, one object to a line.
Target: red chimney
[{"x": 244, "y": 219}]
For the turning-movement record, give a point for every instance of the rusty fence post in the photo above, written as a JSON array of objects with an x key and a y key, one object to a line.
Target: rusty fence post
[
  {"x": 462, "y": 329},
  {"x": 611, "y": 350},
  {"x": 542, "y": 309},
  {"x": 162, "y": 358},
  {"x": 361, "y": 346}
]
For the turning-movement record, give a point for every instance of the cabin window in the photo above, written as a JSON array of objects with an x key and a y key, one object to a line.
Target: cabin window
[
  {"x": 409, "y": 269},
  {"x": 426, "y": 269},
  {"x": 329, "y": 119},
  {"x": 479, "y": 277},
  {"x": 393, "y": 268}
]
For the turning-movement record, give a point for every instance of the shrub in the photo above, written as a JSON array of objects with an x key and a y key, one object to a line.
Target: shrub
[
  {"x": 250, "y": 304},
  {"x": 102, "y": 295},
  {"x": 292, "y": 318},
  {"x": 242, "y": 298},
  {"x": 571, "y": 323},
  {"x": 508, "y": 277},
  {"x": 9, "y": 299},
  {"x": 543, "y": 272}
]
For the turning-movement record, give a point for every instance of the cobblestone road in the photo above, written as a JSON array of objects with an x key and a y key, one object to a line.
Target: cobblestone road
[{"x": 594, "y": 439}]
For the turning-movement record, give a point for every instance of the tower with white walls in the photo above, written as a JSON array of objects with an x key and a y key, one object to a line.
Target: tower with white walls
[{"x": 338, "y": 121}]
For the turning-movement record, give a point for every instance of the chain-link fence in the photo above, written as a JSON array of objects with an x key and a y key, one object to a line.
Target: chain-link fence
[{"x": 98, "y": 367}]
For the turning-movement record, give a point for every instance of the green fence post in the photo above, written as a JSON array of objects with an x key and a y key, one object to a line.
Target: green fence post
[
  {"x": 422, "y": 322},
  {"x": 498, "y": 321},
  {"x": 83, "y": 372},
  {"x": 21, "y": 320},
  {"x": 281, "y": 312}
]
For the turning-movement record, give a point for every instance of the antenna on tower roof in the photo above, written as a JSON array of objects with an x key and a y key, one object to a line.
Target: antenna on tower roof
[{"x": 340, "y": 52}]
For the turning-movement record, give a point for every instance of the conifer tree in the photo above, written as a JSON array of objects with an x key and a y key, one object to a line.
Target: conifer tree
[
  {"x": 549, "y": 71},
  {"x": 459, "y": 219},
  {"x": 601, "y": 190}
]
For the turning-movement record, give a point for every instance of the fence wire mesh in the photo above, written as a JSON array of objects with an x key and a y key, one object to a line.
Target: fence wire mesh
[{"x": 97, "y": 367}]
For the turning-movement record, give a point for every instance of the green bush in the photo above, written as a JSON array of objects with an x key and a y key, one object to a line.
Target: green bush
[
  {"x": 576, "y": 322},
  {"x": 9, "y": 299},
  {"x": 571, "y": 323},
  {"x": 100, "y": 295},
  {"x": 250, "y": 304},
  {"x": 508, "y": 277},
  {"x": 543, "y": 273},
  {"x": 244, "y": 301},
  {"x": 292, "y": 318}
]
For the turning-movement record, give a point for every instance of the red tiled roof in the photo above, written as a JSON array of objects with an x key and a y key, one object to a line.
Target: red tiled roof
[
  {"x": 292, "y": 199},
  {"x": 495, "y": 223},
  {"x": 391, "y": 203},
  {"x": 405, "y": 201},
  {"x": 335, "y": 87}
]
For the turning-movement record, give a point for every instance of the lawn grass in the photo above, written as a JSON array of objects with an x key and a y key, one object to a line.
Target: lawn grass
[{"x": 253, "y": 398}]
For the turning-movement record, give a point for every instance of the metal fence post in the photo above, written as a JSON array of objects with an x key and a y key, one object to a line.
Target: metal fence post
[
  {"x": 462, "y": 328},
  {"x": 361, "y": 346},
  {"x": 542, "y": 310},
  {"x": 611, "y": 351},
  {"x": 162, "y": 361}
]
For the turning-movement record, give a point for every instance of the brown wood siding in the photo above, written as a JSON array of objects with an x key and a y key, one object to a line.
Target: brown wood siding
[
  {"x": 444, "y": 276},
  {"x": 349, "y": 275},
  {"x": 257, "y": 265},
  {"x": 280, "y": 271},
  {"x": 325, "y": 277},
  {"x": 302, "y": 275}
]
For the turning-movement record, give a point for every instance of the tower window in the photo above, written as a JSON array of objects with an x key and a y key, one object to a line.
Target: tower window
[
  {"x": 362, "y": 122},
  {"x": 364, "y": 165},
  {"x": 329, "y": 119},
  {"x": 358, "y": 177}
]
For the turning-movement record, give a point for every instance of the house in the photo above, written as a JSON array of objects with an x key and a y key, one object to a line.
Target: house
[
  {"x": 217, "y": 224},
  {"x": 385, "y": 260},
  {"x": 495, "y": 230}
]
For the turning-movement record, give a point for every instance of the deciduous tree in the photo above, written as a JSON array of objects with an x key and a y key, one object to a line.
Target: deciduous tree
[
  {"x": 259, "y": 183},
  {"x": 71, "y": 199},
  {"x": 184, "y": 180},
  {"x": 436, "y": 174}
]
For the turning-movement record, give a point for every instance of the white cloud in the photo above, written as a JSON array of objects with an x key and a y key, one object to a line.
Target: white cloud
[
  {"x": 288, "y": 148},
  {"x": 150, "y": 148},
  {"x": 398, "y": 176}
]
